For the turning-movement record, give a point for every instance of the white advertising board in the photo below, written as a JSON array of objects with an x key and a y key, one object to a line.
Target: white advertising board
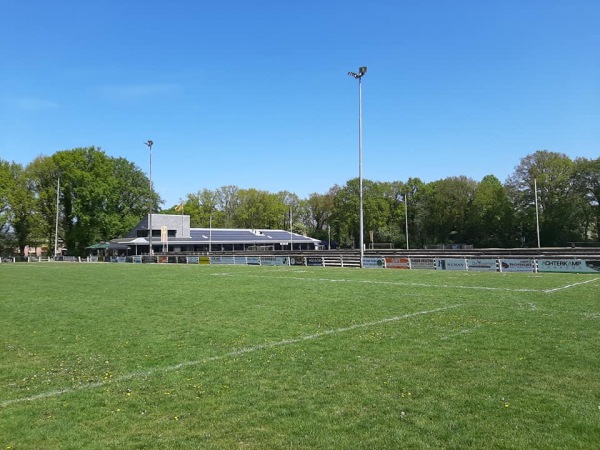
[
  {"x": 516, "y": 265},
  {"x": 222, "y": 260},
  {"x": 482, "y": 265},
  {"x": 273, "y": 260},
  {"x": 450, "y": 264},
  {"x": 422, "y": 263},
  {"x": 568, "y": 265},
  {"x": 193, "y": 260},
  {"x": 373, "y": 263}
]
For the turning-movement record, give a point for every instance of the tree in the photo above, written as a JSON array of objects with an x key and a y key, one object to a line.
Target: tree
[
  {"x": 587, "y": 185},
  {"x": 100, "y": 197},
  {"x": 228, "y": 202},
  {"x": 559, "y": 208},
  {"x": 258, "y": 209},
  {"x": 24, "y": 220},
  {"x": 443, "y": 209},
  {"x": 319, "y": 209},
  {"x": 490, "y": 215},
  {"x": 201, "y": 207},
  {"x": 42, "y": 175},
  {"x": 7, "y": 242},
  {"x": 346, "y": 209}
]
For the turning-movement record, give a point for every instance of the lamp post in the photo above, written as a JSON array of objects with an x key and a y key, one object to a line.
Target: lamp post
[
  {"x": 358, "y": 76},
  {"x": 537, "y": 214},
  {"x": 56, "y": 224},
  {"x": 150, "y": 144},
  {"x": 406, "y": 217},
  {"x": 291, "y": 231}
]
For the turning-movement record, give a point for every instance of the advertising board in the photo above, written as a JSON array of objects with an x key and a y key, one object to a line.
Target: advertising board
[
  {"x": 314, "y": 261},
  {"x": 297, "y": 261},
  {"x": 136, "y": 259},
  {"x": 374, "y": 263},
  {"x": 222, "y": 260},
  {"x": 568, "y": 265},
  {"x": 273, "y": 261},
  {"x": 516, "y": 265},
  {"x": 397, "y": 263},
  {"x": 422, "y": 263},
  {"x": 253, "y": 260},
  {"x": 204, "y": 260},
  {"x": 482, "y": 265},
  {"x": 192, "y": 259},
  {"x": 450, "y": 264}
]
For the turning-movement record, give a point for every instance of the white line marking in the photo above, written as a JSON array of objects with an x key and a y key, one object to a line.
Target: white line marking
[
  {"x": 399, "y": 283},
  {"x": 445, "y": 286},
  {"x": 547, "y": 291},
  {"x": 238, "y": 352}
]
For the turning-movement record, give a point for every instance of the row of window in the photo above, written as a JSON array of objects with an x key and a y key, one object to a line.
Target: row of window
[{"x": 156, "y": 233}]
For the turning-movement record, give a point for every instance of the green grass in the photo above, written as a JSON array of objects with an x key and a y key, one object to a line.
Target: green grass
[{"x": 157, "y": 356}]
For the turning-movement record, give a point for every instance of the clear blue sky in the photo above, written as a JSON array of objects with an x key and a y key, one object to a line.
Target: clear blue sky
[{"x": 255, "y": 93}]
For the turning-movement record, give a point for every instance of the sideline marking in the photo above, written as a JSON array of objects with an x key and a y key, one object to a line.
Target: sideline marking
[
  {"x": 241, "y": 351},
  {"x": 449, "y": 286},
  {"x": 547, "y": 291},
  {"x": 397, "y": 283}
]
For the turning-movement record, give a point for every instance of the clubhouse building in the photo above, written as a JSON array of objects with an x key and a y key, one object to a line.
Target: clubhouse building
[{"x": 171, "y": 233}]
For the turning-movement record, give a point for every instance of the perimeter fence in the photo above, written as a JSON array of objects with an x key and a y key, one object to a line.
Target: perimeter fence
[{"x": 472, "y": 264}]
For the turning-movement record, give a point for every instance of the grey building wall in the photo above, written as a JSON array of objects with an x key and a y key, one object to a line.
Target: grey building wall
[{"x": 179, "y": 223}]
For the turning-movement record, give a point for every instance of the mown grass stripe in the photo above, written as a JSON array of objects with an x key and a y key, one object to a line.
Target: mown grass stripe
[{"x": 242, "y": 351}]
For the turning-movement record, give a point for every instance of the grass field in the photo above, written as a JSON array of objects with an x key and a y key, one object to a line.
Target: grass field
[{"x": 180, "y": 356}]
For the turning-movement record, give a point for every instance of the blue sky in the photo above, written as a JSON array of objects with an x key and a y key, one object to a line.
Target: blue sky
[{"x": 256, "y": 93}]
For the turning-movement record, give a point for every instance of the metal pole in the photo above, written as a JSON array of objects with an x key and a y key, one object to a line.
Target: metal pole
[
  {"x": 360, "y": 178},
  {"x": 291, "y": 231},
  {"x": 329, "y": 241},
  {"x": 537, "y": 215},
  {"x": 361, "y": 72},
  {"x": 150, "y": 252},
  {"x": 210, "y": 234},
  {"x": 406, "y": 217},
  {"x": 56, "y": 228}
]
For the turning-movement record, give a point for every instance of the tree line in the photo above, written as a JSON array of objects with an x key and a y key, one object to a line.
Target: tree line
[{"x": 101, "y": 198}]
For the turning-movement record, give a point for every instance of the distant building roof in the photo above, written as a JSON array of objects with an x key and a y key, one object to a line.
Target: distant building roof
[{"x": 184, "y": 234}]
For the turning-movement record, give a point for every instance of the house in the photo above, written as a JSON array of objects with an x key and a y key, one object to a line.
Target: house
[{"x": 171, "y": 233}]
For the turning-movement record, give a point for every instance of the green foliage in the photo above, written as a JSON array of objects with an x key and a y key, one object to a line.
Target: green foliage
[
  {"x": 490, "y": 215},
  {"x": 103, "y": 197},
  {"x": 559, "y": 204},
  {"x": 587, "y": 186},
  {"x": 100, "y": 197},
  {"x": 7, "y": 241}
]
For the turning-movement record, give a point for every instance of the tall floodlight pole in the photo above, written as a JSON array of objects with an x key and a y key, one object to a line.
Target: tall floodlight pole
[
  {"x": 537, "y": 214},
  {"x": 358, "y": 76},
  {"x": 406, "y": 217},
  {"x": 56, "y": 225},
  {"x": 150, "y": 144},
  {"x": 210, "y": 233},
  {"x": 291, "y": 231}
]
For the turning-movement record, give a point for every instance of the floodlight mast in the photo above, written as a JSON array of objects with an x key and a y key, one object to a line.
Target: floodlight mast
[
  {"x": 150, "y": 253},
  {"x": 361, "y": 72}
]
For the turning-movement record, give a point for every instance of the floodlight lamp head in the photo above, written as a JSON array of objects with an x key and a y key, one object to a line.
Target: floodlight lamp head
[
  {"x": 352, "y": 74},
  {"x": 362, "y": 70},
  {"x": 149, "y": 143}
]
